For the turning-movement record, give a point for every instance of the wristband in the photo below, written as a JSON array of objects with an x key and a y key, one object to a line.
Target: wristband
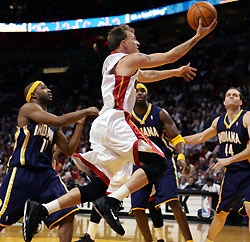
[
  {"x": 181, "y": 157},
  {"x": 178, "y": 139}
]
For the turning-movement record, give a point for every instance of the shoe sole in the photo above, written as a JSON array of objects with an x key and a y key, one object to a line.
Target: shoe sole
[
  {"x": 97, "y": 210},
  {"x": 26, "y": 208}
]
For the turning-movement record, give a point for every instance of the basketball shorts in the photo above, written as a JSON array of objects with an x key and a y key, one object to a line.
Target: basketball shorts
[
  {"x": 115, "y": 140},
  {"x": 165, "y": 189},
  {"x": 234, "y": 187},
  {"x": 40, "y": 185}
]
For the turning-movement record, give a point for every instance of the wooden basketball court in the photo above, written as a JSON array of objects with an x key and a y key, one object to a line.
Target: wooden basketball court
[{"x": 105, "y": 234}]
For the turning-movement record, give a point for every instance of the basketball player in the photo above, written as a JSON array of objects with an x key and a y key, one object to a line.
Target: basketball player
[
  {"x": 152, "y": 120},
  {"x": 115, "y": 140},
  {"x": 233, "y": 131},
  {"x": 30, "y": 174}
]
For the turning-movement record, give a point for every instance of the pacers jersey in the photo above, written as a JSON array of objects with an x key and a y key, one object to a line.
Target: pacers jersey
[
  {"x": 233, "y": 138},
  {"x": 151, "y": 125},
  {"x": 33, "y": 146}
]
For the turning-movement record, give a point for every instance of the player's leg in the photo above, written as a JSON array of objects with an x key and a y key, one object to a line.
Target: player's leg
[
  {"x": 139, "y": 203},
  {"x": 247, "y": 207},
  {"x": 157, "y": 219},
  {"x": 153, "y": 168},
  {"x": 35, "y": 212},
  {"x": 66, "y": 228},
  {"x": 95, "y": 219},
  {"x": 18, "y": 185},
  {"x": 181, "y": 219},
  {"x": 216, "y": 225},
  {"x": 142, "y": 222}
]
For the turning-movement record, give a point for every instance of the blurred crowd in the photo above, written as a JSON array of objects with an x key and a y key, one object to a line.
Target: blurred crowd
[{"x": 221, "y": 63}]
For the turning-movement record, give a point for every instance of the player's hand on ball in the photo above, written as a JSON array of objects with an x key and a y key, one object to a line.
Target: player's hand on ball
[
  {"x": 203, "y": 31},
  {"x": 187, "y": 72}
]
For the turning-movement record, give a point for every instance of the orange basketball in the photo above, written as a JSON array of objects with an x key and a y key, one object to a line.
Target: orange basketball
[{"x": 204, "y": 10}]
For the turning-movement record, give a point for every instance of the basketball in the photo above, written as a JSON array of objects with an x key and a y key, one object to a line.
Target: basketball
[{"x": 204, "y": 10}]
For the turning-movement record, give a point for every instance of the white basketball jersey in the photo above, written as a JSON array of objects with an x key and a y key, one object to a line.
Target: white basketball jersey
[{"x": 118, "y": 92}]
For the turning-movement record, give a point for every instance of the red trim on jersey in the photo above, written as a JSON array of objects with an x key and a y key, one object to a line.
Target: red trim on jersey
[
  {"x": 121, "y": 85},
  {"x": 152, "y": 198},
  {"x": 99, "y": 173},
  {"x": 135, "y": 153},
  {"x": 139, "y": 135},
  {"x": 114, "y": 52}
]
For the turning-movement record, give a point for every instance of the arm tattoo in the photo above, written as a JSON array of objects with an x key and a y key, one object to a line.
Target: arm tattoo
[
  {"x": 185, "y": 45},
  {"x": 147, "y": 56},
  {"x": 152, "y": 74}
]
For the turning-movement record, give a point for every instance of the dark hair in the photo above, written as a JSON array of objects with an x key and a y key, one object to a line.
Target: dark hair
[
  {"x": 241, "y": 96},
  {"x": 211, "y": 179},
  {"x": 117, "y": 34}
]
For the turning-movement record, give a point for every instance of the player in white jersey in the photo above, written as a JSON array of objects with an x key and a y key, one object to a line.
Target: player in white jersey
[{"x": 115, "y": 140}]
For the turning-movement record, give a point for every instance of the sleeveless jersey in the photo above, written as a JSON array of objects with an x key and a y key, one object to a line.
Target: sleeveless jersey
[
  {"x": 118, "y": 92},
  {"x": 233, "y": 138},
  {"x": 151, "y": 125},
  {"x": 33, "y": 146}
]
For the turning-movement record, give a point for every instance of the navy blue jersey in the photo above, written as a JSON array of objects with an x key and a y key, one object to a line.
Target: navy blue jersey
[
  {"x": 33, "y": 146},
  {"x": 151, "y": 125},
  {"x": 233, "y": 138}
]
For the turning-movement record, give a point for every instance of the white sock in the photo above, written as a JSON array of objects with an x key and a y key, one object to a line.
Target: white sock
[
  {"x": 121, "y": 193},
  {"x": 92, "y": 228},
  {"x": 52, "y": 206},
  {"x": 208, "y": 240},
  {"x": 159, "y": 233}
]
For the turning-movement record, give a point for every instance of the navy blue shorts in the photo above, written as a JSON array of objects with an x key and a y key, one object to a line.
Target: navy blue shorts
[
  {"x": 41, "y": 185},
  {"x": 166, "y": 189},
  {"x": 234, "y": 187}
]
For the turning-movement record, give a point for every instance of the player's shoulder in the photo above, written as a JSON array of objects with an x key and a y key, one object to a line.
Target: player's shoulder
[
  {"x": 246, "y": 119},
  {"x": 215, "y": 121},
  {"x": 30, "y": 106}
]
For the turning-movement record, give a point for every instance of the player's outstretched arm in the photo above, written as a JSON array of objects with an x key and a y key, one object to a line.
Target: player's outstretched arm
[
  {"x": 34, "y": 112},
  {"x": 244, "y": 155},
  {"x": 187, "y": 72},
  {"x": 140, "y": 61},
  {"x": 203, "y": 136}
]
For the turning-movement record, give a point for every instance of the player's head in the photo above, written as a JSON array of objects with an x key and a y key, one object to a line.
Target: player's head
[
  {"x": 233, "y": 98},
  {"x": 38, "y": 92},
  {"x": 122, "y": 38},
  {"x": 141, "y": 93}
]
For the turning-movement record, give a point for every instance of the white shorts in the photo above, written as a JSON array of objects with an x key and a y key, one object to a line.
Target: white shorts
[{"x": 115, "y": 140}]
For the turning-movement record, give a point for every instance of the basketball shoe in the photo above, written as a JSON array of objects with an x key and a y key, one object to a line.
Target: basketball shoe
[
  {"x": 34, "y": 213},
  {"x": 108, "y": 208},
  {"x": 85, "y": 238}
]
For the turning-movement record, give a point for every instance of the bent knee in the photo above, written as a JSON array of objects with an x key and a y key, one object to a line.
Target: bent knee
[{"x": 154, "y": 171}]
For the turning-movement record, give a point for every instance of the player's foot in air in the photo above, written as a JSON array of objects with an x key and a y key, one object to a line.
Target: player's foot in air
[
  {"x": 108, "y": 208},
  {"x": 85, "y": 238},
  {"x": 34, "y": 213}
]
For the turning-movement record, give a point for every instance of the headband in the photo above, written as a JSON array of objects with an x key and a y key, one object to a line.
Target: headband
[
  {"x": 140, "y": 85},
  {"x": 32, "y": 89}
]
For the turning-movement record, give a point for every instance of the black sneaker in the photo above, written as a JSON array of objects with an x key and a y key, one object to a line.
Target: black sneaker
[
  {"x": 108, "y": 208},
  {"x": 85, "y": 238},
  {"x": 160, "y": 240},
  {"x": 34, "y": 213}
]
